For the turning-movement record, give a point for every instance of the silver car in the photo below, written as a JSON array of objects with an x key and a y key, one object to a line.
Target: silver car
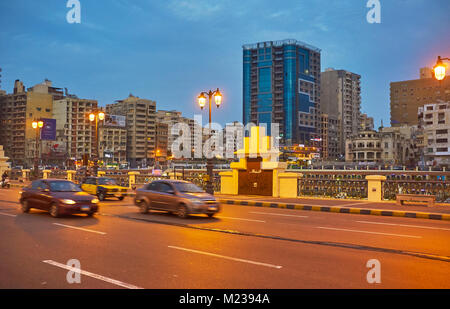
[{"x": 176, "y": 196}]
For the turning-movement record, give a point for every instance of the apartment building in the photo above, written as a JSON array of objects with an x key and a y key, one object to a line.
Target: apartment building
[
  {"x": 340, "y": 98},
  {"x": 434, "y": 119},
  {"x": 141, "y": 128},
  {"x": 162, "y": 137},
  {"x": 113, "y": 140},
  {"x": 407, "y": 96},
  {"x": 73, "y": 127},
  {"x": 17, "y": 112}
]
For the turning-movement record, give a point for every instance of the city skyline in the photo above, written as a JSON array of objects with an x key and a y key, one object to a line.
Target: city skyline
[{"x": 171, "y": 51}]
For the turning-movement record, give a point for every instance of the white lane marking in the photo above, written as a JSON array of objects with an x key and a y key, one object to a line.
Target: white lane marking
[
  {"x": 92, "y": 275},
  {"x": 241, "y": 219},
  {"x": 275, "y": 214},
  {"x": 79, "y": 228},
  {"x": 9, "y": 215},
  {"x": 367, "y": 232},
  {"x": 227, "y": 257},
  {"x": 406, "y": 225}
]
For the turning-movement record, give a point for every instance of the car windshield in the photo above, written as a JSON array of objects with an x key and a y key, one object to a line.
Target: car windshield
[
  {"x": 107, "y": 181},
  {"x": 188, "y": 187},
  {"x": 64, "y": 186}
]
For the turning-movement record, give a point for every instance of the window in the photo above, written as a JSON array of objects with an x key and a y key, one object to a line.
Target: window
[{"x": 164, "y": 187}]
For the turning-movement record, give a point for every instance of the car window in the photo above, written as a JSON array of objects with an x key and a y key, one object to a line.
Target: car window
[
  {"x": 64, "y": 186},
  {"x": 90, "y": 181},
  {"x": 107, "y": 181},
  {"x": 151, "y": 186},
  {"x": 188, "y": 187},
  {"x": 164, "y": 187}
]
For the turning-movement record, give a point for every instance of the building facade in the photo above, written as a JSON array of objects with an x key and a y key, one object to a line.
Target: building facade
[
  {"x": 281, "y": 84},
  {"x": 17, "y": 112},
  {"x": 113, "y": 141},
  {"x": 407, "y": 96},
  {"x": 340, "y": 99},
  {"x": 434, "y": 119},
  {"x": 73, "y": 127},
  {"x": 141, "y": 128}
]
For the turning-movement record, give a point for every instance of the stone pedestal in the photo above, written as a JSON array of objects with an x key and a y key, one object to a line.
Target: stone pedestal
[
  {"x": 3, "y": 165},
  {"x": 46, "y": 174},
  {"x": 71, "y": 175},
  {"x": 132, "y": 179},
  {"x": 101, "y": 173},
  {"x": 374, "y": 188}
]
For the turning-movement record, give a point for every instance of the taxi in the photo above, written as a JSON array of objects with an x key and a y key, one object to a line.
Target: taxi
[{"x": 103, "y": 187}]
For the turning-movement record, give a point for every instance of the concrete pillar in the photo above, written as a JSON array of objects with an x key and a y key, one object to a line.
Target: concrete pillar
[
  {"x": 132, "y": 179},
  {"x": 46, "y": 173},
  {"x": 71, "y": 175},
  {"x": 26, "y": 174},
  {"x": 374, "y": 188},
  {"x": 101, "y": 173}
]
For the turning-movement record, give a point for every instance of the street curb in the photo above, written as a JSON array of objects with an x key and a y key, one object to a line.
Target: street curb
[{"x": 337, "y": 209}]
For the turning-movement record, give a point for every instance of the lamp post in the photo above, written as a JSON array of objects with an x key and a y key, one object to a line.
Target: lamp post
[
  {"x": 96, "y": 116},
  {"x": 202, "y": 103},
  {"x": 37, "y": 126},
  {"x": 439, "y": 68}
]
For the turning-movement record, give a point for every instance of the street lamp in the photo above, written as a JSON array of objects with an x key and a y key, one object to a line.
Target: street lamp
[
  {"x": 439, "y": 68},
  {"x": 202, "y": 103},
  {"x": 37, "y": 125},
  {"x": 96, "y": 116}
]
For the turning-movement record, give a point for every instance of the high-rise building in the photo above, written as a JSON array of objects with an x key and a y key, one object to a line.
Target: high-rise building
[
  {"x": 366, "y": 123},
  {"x": 340, "y": 99},
  {"x": 113, "y": 140},
  {"x": 408, "y": 96},
  {"x": 17, "y": 112},
  {"x": 281, "y": 84},
  {"x": 141, "y": 128},
  {"x": 73, "y": 127}
]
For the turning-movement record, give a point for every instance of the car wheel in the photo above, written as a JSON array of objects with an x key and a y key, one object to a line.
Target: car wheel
[
  {"x": 144, "y": 207},
  {"x": 90, "y": 214},
  {"x": 210, "y": 215},
  {"x": 182, "y": 211},
  {"x": 101, "y": 196},
  {"x": 121, "y": 198},
  {"x": 54, "y": 210},
  {"x": 25, "y": 206}
]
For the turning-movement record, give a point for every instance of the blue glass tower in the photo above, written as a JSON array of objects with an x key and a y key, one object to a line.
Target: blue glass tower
[{"x": 281, "y": 84}]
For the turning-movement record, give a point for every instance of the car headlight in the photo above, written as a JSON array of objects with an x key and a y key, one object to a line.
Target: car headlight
[
  {"x": 95, "y": 201},
  {"x": 68, "y": 202}
]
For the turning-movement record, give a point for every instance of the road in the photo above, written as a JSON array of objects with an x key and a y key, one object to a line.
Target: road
[{"x": 243, "y": 247}]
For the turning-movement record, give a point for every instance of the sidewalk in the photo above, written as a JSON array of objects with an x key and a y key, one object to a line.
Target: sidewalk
[{"x": 348, "y": 206}]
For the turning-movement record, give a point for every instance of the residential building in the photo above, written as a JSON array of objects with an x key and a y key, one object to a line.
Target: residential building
[
  {"x": 162, "y": 137},
  {"x": 366, "y": 122},
  {"x": 407, "y": 96},
  {"x": 435, "y": 121},
  {"x": 141, "y": 128},
  {"x": 73, "y": 127},
  {"x": 17, "y": 112},
  {"x": 281, "y": 84},
  {"x": 113, "y": 140},
  {"x": 340, "y": 98}
]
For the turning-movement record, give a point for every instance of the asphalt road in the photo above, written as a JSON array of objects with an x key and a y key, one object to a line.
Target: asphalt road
[{"x": 243, "y": 247}]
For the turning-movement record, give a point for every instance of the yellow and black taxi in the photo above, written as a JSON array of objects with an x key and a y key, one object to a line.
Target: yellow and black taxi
[{"x": 103, "y": 187}]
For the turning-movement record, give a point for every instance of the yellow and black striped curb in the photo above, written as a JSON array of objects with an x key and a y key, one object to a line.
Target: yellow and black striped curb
[{"x": 345, "y": 210}]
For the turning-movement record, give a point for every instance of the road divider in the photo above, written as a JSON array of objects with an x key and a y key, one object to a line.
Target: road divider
[{"x": 340, "y": 209}]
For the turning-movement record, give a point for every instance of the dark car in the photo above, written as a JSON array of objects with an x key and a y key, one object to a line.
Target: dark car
[
  {"x": 176, "y": 196},
  {"x": 59, "y": 197}
]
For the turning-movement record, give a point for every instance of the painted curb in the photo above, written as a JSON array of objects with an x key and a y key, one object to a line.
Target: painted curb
[{"x": 337, "y": 209}]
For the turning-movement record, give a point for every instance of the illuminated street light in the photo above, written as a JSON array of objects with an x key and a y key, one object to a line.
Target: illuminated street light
[
  {"x": 96, "y": 116},
  {"x": 202, "y": 103},
  {"x": 440, "y": 68},
  {"x": 37, "y": 125}
]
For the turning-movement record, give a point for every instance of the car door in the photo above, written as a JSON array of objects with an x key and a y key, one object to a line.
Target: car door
[
  {"x": 45, "y": 196},
  {"x": 40, "y": 195},
  {"x": 167, "y": 197},
  {"x": 32, "y": 194}
]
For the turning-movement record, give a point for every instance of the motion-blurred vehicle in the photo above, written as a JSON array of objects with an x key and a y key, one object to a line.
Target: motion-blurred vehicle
[
  {"x": 5, "y": 183},
  {"x": 57, "y": 196},
  {"x": 176, "y": 196},
  {"x": 104, "y": 187}
]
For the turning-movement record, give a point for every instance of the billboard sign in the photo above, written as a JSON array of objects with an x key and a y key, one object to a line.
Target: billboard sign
[
  {"x": 48, "y": 131},
  {"x": 115, "y": 121}
]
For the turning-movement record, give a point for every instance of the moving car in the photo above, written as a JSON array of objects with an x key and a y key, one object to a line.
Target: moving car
[
  {"x": 104, "y": 187},
  {"x": 176, "y": 196},
  {"x": 57, "y": 196}
]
